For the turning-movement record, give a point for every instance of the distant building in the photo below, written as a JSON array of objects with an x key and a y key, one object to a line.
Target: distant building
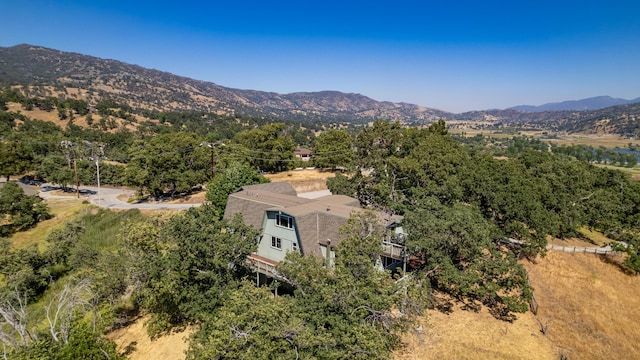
[
  {"x": 309, "y": 226},
  {"x": 302, "y": 154}
]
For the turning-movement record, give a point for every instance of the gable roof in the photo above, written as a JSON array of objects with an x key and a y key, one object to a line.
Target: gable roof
[{"x": 302, "y": 151}]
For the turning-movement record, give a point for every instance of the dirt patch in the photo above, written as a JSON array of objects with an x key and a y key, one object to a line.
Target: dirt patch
[
  {"x": 197, "y": 198},
  {"x": 134, "y": 342},
  {"x": 470, "y": 335},
  {"x": 125, "y": 197},
  {"x": 589, "y": 304}
]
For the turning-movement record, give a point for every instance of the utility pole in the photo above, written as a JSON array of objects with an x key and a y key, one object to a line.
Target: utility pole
[
  {"x": 98, "y": 171},
  {"x": 213, "y": 154},
  {"x": 97, "y": 157},
  {"x": 75, "y": 170},
  {"x": 213, "y": 162}
]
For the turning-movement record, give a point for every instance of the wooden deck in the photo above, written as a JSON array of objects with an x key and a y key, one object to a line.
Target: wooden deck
[
  {"x": 263, "y": 265},
  {"x": 393, "y": 250}
]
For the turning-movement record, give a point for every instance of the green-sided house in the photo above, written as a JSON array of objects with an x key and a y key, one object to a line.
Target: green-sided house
[{"x": 309, "y": 226}]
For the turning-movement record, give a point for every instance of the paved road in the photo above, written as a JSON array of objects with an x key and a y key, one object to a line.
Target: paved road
[
  {"x": 108, "y": 198},
  {"x": 28, "y": 189}
]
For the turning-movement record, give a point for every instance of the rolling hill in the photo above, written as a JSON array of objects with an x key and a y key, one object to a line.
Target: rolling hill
[{"x": 154, "y": 90}]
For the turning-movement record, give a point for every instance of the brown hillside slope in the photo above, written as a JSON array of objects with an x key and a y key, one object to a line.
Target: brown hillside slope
[
  {"x": 590, "y": 305},
  {"x": 470, "y": 335}
]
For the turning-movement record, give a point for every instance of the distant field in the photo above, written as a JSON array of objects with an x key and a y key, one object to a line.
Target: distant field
[
  {"x": 609, "y": 141},
  {"x": 634, "y": 172}
]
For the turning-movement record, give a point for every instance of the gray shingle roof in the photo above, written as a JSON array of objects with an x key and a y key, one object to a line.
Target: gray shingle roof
[{"x": 317, "y": 219}]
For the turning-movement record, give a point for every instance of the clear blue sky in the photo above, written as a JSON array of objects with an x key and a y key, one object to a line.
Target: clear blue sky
[{"x": 449, "y": 55}]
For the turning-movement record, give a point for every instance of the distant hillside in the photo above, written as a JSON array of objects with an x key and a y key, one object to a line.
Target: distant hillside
[
  {"x": 141, "y": 88},
  {"x": 594, "y": 103},
  {"x": 623, "y": 120}
]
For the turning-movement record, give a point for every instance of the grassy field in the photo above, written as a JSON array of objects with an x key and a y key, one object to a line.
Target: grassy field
[
  {"x": 303, "y": 180},
  {"x": 63, "y": 210},
  {"x": 608, "y": 141}
]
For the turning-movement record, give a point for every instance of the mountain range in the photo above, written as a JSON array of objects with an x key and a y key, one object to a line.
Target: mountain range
[
  {"x": 161, "y": 91},
  {"x": 592, "y": 103},
  {"x": 48, "y": 72}
]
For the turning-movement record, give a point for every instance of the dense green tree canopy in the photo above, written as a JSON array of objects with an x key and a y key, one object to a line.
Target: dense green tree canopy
[
  {"x": 168, "y": 162},
  {"x": 195, "y": 263},
  {"x": 267, "y": 148},
  {"x": 333, "y": 148},
  {"x": 19, "y": 211},
  {"x": 229, "y": 179}
]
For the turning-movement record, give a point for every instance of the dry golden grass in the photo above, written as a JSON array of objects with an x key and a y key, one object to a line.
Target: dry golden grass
[
  {"x": 608, "y": 140},
  {"x": 63, "y": 210},
  {"x": 590, "y": 305},
  {"x": 470, "y": 335},
  {"x": 196, "y": 198},
  {"x": 303, "y": 180},
  {"x": 306, "y": 174},
  {"x": 52, "y": 116},
  {"x": 134, "y": 342}
]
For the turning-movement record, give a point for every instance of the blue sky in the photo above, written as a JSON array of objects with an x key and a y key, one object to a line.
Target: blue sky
[{"x": 450, "y": 55}]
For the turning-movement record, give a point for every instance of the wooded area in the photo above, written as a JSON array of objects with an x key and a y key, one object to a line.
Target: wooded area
[{"x": 460, "y": 204}]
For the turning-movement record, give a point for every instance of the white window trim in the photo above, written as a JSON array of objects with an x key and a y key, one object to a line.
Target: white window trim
[
  {"x": 290, "y": 221},
  {"x": 276, "y": 240}
]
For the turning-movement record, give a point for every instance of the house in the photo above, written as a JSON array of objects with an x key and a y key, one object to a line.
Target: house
[
  {"x": 302, "y": 154},
  {"x": 309, "y": 226}
]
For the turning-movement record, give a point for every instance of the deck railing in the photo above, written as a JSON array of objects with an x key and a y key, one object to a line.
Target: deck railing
[
  {"x": 262, "y": 266},
  {"x": 393, "y": 250}
]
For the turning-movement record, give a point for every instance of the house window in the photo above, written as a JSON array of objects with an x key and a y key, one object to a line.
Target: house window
[
  {"x": 284, "y": 221},
  {"x": 294, "y": 246},
  {"x": 276, "y": 242}
]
